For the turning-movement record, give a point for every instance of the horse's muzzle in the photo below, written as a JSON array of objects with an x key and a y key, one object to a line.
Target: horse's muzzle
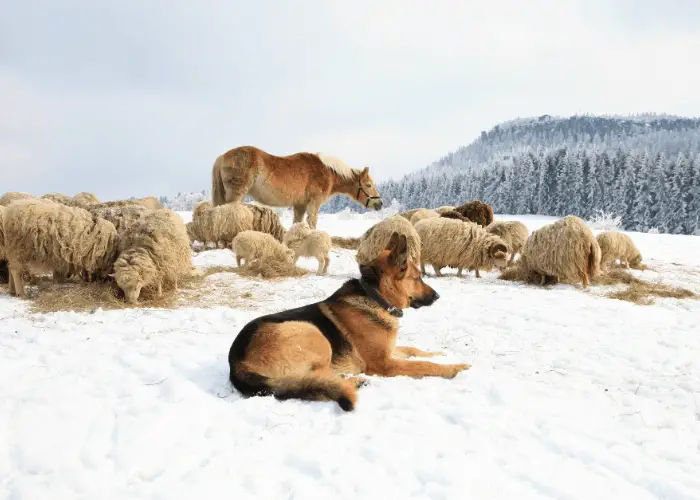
[{"x": 377, "y": 205}]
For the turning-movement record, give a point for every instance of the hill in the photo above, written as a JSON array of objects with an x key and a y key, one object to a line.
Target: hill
[{"x": 644, "y": 169}]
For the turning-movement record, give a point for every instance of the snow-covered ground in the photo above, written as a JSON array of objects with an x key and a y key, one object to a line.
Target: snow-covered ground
[{"x": 571, "y": 395}]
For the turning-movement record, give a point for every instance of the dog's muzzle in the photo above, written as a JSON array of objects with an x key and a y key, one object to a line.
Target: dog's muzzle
[{"x": 426, "y": 300}]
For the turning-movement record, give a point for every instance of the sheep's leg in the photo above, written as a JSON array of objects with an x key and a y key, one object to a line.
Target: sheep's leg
[
  {"x": 327, "y": 262},
  {"x": 543, "y": 279},
  {"x": 459, "y": 272},
  {"x": 239, "y": 260},
  {"x": 477, "y": 272},
  {"x": 627, "y": 264},
  {"x": 10, "y": 283},
  {"x": 18, "y": 284},
  {"x": 299, "y": 211},
  {"x": 160, "y": 289},
  {"x": 437, "y": 271}
]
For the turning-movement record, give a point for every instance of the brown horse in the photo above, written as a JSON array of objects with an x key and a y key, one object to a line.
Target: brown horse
[{"x": 303, "y": 181}]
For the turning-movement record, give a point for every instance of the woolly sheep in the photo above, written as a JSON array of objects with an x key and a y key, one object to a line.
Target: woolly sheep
[
  {"x": 445, "y": 208},
  {"x": 476, "y": 211},
  {"x": 58, "y": 198},
  {"x": 423, "y": 213},
  {"x": 513, "y": 232},
  {"x": 615, "y": 245},
  {"x": 563, "y": 250},
  {"x": 464, "y": 245},
  {"x": 154, "y": 253},
  {"x": 85, "y": 199},
  {"x": 377, "y": 237},
  {"x": 409, "y": 213},
  {"x": 266, "y": 220},
  {"x": 150, "y": 202},
  {"x": 11, "y": 196},
  {"x": 307, "y": 242},
  {"x": 221, "y": 223},
  {"x": 43, "y": 236},
  {"x": 122, "y": 216},
  {"x": 253, "y": 245}
]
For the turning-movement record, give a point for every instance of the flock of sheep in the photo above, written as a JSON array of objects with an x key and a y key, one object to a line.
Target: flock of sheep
[{"x": 146, "y": 248}]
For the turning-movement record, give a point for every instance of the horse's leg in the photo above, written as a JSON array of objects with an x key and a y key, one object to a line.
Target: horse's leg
[
  {"x": 299, "y": 211},
  {"x": 312, "y": 213}
]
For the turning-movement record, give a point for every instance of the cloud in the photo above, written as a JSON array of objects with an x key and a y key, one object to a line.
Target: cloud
[{"x": 132, "y": 98}]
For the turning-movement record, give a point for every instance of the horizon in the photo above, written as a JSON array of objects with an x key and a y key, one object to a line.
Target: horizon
[{"x": 143, "y": 105}]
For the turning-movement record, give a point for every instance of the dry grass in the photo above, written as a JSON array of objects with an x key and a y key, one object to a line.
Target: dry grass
[
  {"x": 346, "y": 243},
  {"x": 270, "y": 270},
  {"x": 638, "y": 291}
]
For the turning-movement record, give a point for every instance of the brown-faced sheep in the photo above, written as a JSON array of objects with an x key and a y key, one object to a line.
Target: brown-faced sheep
[
  {"x": 219, "y": 224},
  {"x": 423, "y": 213},
  {"x": 58, "y": 198},
  {"x": 445, "y": 208},
  {"x": 251, "y": 246},
  {"x": 307, "y": 242},
  {"x": 451, "y": 214},
  {"x": 154, "y": 254},
  {"x": 563, "y": 250},
  {"x": 266, "y": 220},
  {"x": 11, "y": 196},
  {"x": 84, "y": 200},
  {"x": 513, "y": 232},
  {"x": 615, "y": 245},
  {"x": 43, "y": 236},
  {"x": 476, "y": 211},
  {"x": 377, "y": 237},
  {"x": 464, "y": 245}
]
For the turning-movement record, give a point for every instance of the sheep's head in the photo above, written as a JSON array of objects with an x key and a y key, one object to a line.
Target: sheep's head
[
  {"x": 191, "y": 233},
  {"x": 132, "y": 271},
  {"x": 635, "y": 261},
  {"x": 500, "y": 255}
]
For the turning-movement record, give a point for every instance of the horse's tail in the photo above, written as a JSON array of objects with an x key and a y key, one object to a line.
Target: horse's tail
[{"x": 218, "y": 192}]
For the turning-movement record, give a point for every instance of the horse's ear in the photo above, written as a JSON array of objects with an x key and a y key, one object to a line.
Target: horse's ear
[{"x": 365, "y": 172}]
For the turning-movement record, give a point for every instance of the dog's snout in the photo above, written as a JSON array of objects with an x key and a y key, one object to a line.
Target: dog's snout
[{"x": 436, "y": 295}]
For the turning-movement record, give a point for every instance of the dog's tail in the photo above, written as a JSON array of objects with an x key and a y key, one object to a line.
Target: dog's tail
[
  {"x": 218, "y": 192},
  {"x": 347, "y": 243},
  {"x": 309, "y": 388}
]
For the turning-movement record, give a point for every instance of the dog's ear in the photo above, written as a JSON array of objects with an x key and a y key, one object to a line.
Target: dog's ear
[{"x": 399, "y": 251}]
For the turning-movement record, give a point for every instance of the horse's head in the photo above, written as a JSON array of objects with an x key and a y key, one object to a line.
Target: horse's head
[{"x": 367, "y": 193}]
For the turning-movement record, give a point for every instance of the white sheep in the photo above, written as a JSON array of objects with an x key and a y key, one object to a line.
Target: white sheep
[
  {"x": 255, "y": 245},
  {"x": 618, "y": 246},
  {"x": 307, "y": 242}
]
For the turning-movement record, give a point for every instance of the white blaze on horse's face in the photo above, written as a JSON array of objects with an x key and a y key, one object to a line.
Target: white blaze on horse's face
[{"x": 367, "y": 193}]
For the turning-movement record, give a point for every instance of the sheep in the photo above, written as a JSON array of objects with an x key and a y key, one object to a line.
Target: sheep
[
  {"x": 219, "y": 224},
  {"x": 477, "y": 212},
  {"x": 85, "y": 199},
  {"x": 307, "y": 242},
  {"x": 251, "y": 245},
  {"x": 513, "y": 232},
  {"x": 445, "y": 208},
  {"x": 266, "y": 220},
  {"x": 451, "y": 214},
  {"x": 377, "y": 237},
  {"x": 615, "y": 245},
  {"x": 453, "y": 243},
  {"x": 43, "y": 236},
  {"x": 11, "y": 196},
  {"x": 123, "y": 216},
  {"x": 563, "y": 250},
  {"x": 58, "y": 198},
  {"x": 421, "y": 214},
  {"x": 409, "y": 213},
  {"x": 154, "y": 253}
]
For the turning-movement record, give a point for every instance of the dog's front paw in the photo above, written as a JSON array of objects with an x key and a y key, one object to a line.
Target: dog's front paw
[{"x": 453, "y": 370}]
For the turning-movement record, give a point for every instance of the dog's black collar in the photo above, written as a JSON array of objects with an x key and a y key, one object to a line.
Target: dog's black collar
[{"x": 373, "y": 294}]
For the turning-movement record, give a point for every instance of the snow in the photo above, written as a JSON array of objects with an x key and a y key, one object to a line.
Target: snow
[{"x": 571, "y": 395}]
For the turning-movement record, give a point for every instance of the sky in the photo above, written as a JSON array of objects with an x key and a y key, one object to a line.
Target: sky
[{"x": 132, "y": 98}]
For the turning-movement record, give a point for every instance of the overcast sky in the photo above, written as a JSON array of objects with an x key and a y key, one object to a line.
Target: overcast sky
[{"x": 133, "y": 98}]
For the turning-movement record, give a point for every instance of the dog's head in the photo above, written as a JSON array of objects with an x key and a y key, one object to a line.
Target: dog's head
[{"x": 397, "y": 278}]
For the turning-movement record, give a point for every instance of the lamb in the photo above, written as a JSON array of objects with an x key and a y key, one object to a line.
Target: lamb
[
  {"x": 513, "y": 232},
  {"x": 85, "y": 200},
  {"x": 464, "y": 245},
  {"x": 58, "y": 198},
  {"x": 43, "y": 236},
  {"x": 255, "y": 245},
  {"x": 615, "y": 245},
  {"x": 563, "y": 250},
  {"x": 154, "y": 253},
  {"x": 423, "y": 213},
  {"x": 307, "y": 242},
  {"x": 219, "y": 224},
  {"x": 477, "y": 212},
  {"x": 377, "y": 237},
  {"x": 11, "y": 196}
]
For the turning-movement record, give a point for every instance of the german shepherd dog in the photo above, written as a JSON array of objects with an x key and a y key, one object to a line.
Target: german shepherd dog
[{"x": 301, "y": 353}]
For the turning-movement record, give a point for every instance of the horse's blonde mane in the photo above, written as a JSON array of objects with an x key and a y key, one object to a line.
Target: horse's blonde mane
[{"x": 338, "y": 166}]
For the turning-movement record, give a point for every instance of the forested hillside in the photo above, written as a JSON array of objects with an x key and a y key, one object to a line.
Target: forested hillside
[{"x": 645, "y": 169}]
